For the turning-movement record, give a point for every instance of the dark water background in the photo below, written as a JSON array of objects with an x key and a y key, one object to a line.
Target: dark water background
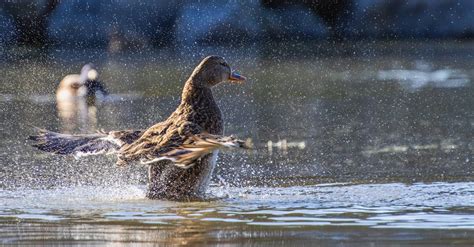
[{"x": 379, "y": 147}]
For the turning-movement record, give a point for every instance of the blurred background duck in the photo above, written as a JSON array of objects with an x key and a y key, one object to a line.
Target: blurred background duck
[{"x": 76, "y": 99}]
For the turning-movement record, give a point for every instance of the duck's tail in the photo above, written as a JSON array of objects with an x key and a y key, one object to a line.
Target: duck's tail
[
  {"x": 197, "y": 146},
  {"x": 81, "y": 145}
]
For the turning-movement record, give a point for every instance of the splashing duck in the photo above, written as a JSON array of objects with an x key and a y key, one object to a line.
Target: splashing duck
[
  {"x": 76, "y": 98},
  {"x": 181, "y": 151}
]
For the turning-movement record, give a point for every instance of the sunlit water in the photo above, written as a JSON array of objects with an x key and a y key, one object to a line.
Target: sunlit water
[{"x": 355, "y": 144}]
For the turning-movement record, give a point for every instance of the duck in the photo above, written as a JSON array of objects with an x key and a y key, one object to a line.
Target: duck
[
  {"x": 85, "y": 84},
  {"x": 76, "y": 98},
  {"x": 180, "y": 152}
]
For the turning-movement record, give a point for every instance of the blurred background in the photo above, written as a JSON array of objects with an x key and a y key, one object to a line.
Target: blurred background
[{"x": 123, "y": 25}]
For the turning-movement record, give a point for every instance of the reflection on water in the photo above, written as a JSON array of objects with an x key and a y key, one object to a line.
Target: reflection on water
[
  {"x": 380, "y": 124},
  {"x": 77, "y": 114}
]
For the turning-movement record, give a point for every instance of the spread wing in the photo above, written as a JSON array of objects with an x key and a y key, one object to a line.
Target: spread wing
[
  {"x": 161, "y": 135},
  {"x": 195, "y": 147},
  {"x": 83, "y": 145},
  {"x": 181, "y": 143}
]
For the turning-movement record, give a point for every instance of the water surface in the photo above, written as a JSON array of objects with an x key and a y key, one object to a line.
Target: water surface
[{"x": 358, "y": 144}]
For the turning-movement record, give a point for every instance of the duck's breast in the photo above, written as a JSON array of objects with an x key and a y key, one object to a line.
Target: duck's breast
[{"x": 207, "y": 173}]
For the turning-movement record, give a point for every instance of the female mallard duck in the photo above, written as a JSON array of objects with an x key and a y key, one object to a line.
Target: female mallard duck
[
  {"x": 76, "y": 96},
  {"x": 189, "y": 138}
]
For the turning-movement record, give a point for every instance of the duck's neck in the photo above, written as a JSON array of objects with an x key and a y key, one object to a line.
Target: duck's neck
[
  {"x": 198, "y": 106},
  {"x": 195, "y": 94}
]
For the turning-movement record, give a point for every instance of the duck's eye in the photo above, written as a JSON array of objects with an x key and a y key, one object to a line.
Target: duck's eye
[{"x": 224, "y": 64}]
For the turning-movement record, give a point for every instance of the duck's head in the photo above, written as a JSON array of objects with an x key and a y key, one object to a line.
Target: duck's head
[
  {"x": 213, "y": 70},
  {"x": 89, "y": 73}
]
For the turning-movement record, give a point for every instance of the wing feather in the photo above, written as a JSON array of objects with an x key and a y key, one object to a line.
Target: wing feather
[
  {"x": 81, "y": 145},
  {"x": 195, "y": 147}
]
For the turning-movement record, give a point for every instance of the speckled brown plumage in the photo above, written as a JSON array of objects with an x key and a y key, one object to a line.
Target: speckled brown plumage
[{"x": 189, "y": 138}]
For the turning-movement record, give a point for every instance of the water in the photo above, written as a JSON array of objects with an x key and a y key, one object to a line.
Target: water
[
  {"x": 331, "y": 212},
  {"x": 356, "y": 145}
]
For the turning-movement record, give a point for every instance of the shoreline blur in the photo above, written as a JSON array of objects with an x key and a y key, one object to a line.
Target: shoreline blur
[{"x": 114, "y": 27}]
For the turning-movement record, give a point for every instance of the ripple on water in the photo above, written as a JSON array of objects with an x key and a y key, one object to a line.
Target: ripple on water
[{"x": 420, "y": 206}]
